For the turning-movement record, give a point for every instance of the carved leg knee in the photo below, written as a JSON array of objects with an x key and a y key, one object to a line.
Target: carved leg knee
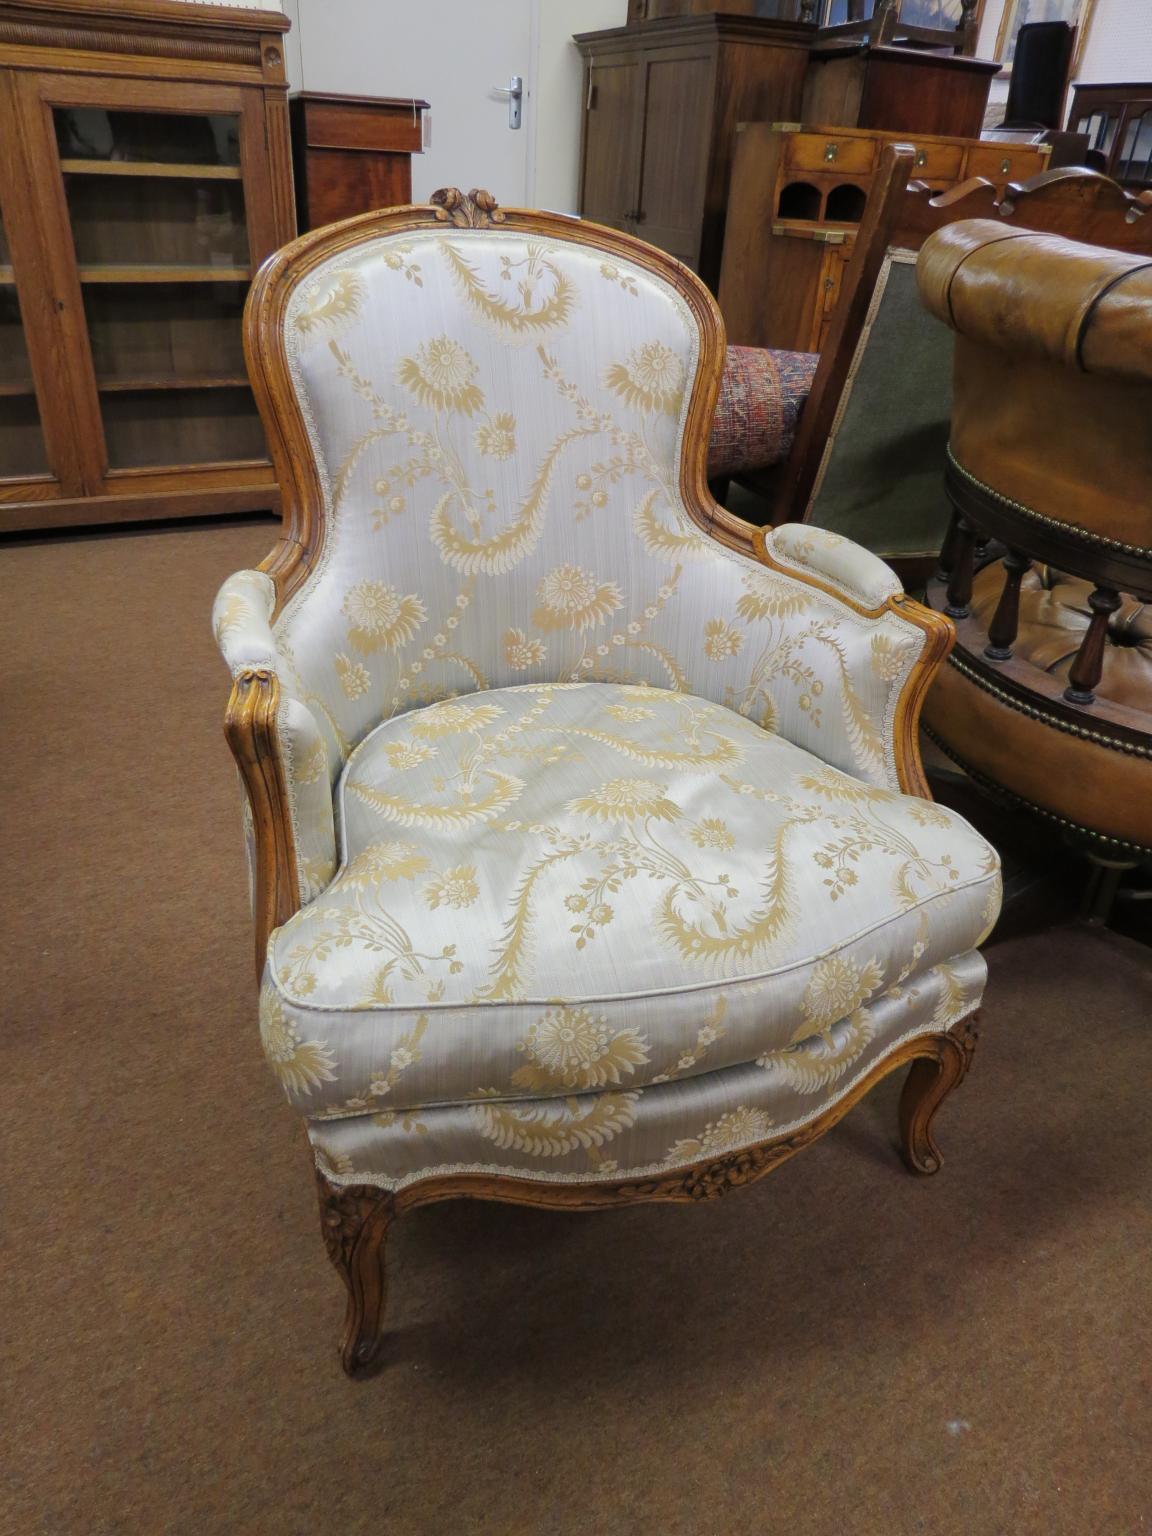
[
  {"x": 355, "y": 1222},
  {"x": 929, "y": 1082}
]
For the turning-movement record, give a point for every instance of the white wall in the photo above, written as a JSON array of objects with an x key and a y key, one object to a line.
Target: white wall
[
  {"x": 558, "y": 108},
  {"x": 445, "y": 51},
  {"x": 1119, "y": 45}
]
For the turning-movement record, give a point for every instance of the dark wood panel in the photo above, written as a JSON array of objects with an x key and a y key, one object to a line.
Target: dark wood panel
[
  {"x": 674, "y": 161},
  {"x": 352, "y": 154},
  {"x": 613, "y": 127},
  {"x": 662, "y": 102},
  {"x": 345, "y": 125},
  {"x": 347, "y": 181}
]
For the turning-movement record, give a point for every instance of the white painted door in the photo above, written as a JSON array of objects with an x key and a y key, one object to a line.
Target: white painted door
[{"x": 447, "y": 52}]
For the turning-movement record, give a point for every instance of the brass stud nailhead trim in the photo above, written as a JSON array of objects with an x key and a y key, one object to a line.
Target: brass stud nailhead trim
[
  {"x": 1051, "y": 522},
  {"x": 1056, "y": 722},
  {"x": 1008, "y": 794}
]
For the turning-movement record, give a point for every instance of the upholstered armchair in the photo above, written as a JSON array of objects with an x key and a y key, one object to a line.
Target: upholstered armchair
[{"x": 592, "y": 858}]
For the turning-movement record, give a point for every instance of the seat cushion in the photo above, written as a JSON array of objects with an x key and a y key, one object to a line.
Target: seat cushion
[
  {"x": 762, "y": 393},
  {"x": 556, "y": 889}
]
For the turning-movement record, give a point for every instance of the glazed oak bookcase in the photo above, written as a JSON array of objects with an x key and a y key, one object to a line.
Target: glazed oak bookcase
[{"x": 145, "y": 175}]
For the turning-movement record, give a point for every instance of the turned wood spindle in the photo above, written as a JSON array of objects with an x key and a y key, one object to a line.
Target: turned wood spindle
[
  {"x": 1006, "y": 619},
  {"x": 948, "y": 549},
  {"x": 959, "y": 604},
  {"x": 1088, "y": 665}
]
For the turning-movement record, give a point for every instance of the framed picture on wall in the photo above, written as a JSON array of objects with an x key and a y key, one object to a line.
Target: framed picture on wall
[{"x": 1017, "y": 13}]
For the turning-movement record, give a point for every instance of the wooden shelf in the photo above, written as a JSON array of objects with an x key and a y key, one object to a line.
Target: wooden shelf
[
  {"x": 124, "y": 383},
  {"x": 7, "y": 277},
  {"x": 151, "y": 168},
  {"x": 159, "y": 274},
  {"x": 17, "y": 387}
]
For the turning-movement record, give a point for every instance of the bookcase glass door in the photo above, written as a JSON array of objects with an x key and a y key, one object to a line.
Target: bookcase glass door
[
  {"x": 22, "y": 449},
  {"x": 159, "y": 224}
]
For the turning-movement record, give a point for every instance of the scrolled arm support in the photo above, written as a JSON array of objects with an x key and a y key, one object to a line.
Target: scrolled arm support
[
  {"x": 282, "y": 758},
  {"x": 867, "y": 589}
]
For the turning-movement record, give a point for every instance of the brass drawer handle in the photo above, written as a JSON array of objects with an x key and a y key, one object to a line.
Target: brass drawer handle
[
  {"x": 921, "y": 157},
  {"x": 831, "y": 151},
  {"x": 1005, "y": 165}
]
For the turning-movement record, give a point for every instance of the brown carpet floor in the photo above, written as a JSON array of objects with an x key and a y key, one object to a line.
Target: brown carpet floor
[{"x": 840, "y": 1349}]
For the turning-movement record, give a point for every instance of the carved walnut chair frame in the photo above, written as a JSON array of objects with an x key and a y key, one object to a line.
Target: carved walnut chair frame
[{"x": 355, "y": 1219}]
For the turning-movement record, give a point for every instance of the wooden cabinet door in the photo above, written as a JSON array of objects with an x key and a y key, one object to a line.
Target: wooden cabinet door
[
  {"x": 679, "y": 87},
  {"x": 153, "y": 203},
  {"x": 613, "y": 116}
]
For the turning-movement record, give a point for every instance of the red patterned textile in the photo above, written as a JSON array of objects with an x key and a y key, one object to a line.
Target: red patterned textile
[{"x": 762, "y": 393}]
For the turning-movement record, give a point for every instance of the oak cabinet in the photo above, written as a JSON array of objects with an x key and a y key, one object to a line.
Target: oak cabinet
[
  {"x": 661, "y": 106},
  {"x": 146, "y": 175}
]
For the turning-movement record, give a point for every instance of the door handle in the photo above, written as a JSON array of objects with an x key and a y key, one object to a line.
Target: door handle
[{"x": 514, "y": 92}]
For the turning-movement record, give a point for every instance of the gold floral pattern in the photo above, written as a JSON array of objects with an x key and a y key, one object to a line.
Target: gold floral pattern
[
  {"x": 572, "y": 598},
  {"x": 520, "y": 652},
  {"x": 573, "y": 1048},
  {"x": 454, "y": 888},
  {"x": 737, "y": 1128},
  {"x": 496, "y": 439},
  {"x": 300, "y": 1065},
  {"x": 651, "y": 379},
  {"x": 626, "y": 800},
  {"x": 379, "y": 617},
  {"x": 838, "y": 986},
  {"x": 441, "y": 375},
  {"x": 354, "y": 677},
  {"x": 721, "y": 640}
]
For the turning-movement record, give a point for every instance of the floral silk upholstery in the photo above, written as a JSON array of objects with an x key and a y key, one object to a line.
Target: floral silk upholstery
[{"x": 645, "y": 866}]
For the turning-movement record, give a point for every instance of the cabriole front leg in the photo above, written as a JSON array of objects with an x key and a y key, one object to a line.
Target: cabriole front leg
[
  {"x": 355, "y": 1222},
  {"x": 929, "y": 1082}
]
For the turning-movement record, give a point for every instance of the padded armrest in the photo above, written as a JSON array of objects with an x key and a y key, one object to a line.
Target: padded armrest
[
  {"x": 241, "y": 622},
  {"x": 1041, "y": 295},
  {"x": 855, "y": 573}
]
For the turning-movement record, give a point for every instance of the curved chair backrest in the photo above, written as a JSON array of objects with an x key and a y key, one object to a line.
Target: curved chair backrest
[{"x": 479, "y": 421}]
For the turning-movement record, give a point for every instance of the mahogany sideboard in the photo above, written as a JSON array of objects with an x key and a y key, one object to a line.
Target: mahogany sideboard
[
  {"x": 352, "y": 154},
  {"x": 797, "y": 198}
]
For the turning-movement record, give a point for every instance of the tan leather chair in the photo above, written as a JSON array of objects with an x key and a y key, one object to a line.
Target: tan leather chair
[{"x": 1048, "y": 694}]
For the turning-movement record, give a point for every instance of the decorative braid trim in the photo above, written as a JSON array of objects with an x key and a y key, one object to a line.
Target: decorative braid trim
[
  {"x": 1050, "y": 522},
  {"x": 1038, "y": 810},
  {"x": 1057, "y": 723}
]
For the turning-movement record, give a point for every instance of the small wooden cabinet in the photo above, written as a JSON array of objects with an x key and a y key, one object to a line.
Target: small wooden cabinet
[
  {"x": 662, "y": 101},
  {"x": 1118, "y": 122},
  {"x": 871, "y": 85},
  {"x": 798, "y": 195},
  {"x": 352, "y": 154},
  {"x": 145, "y": 176}
]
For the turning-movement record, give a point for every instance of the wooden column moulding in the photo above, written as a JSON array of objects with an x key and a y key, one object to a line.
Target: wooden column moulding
[{"x": 146, "y": 176}]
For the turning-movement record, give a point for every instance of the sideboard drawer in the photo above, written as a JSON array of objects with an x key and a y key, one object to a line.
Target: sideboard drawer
[
  {"x": 831, "y": 152},
  {"x": 1003, "y": 162},
  {"x": 937, "y": 162}
]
